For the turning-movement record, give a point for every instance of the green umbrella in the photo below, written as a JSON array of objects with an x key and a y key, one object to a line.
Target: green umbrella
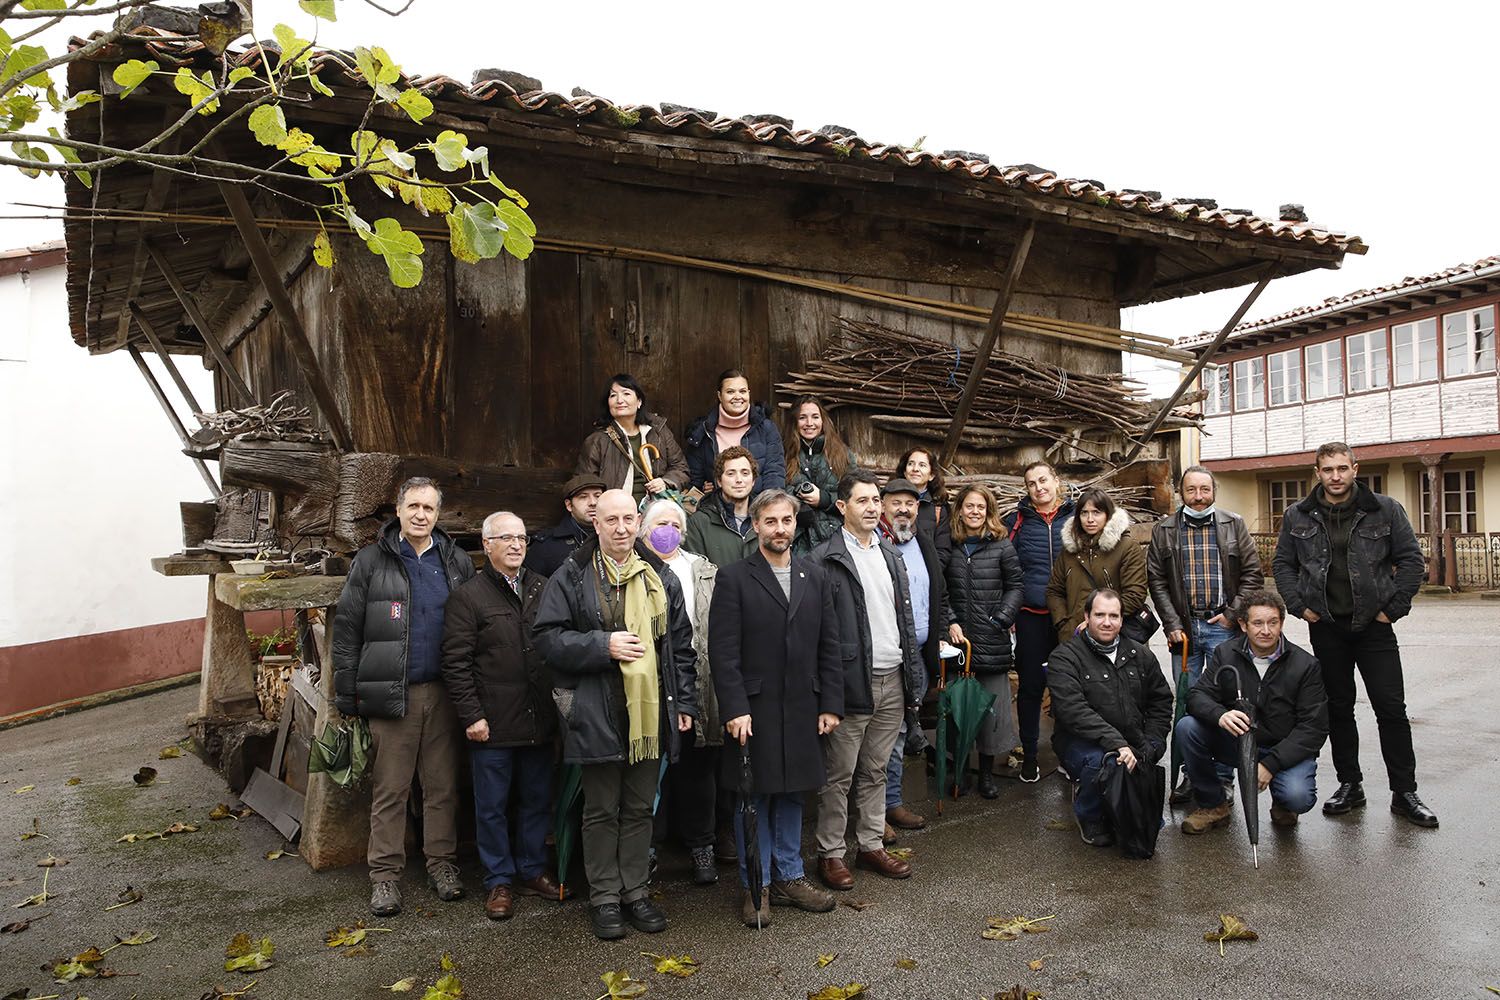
[
  {"x": 962, "y": 707},
  {"x": 1178, "y": 711},
  {"x": 342, "y": 752},
  {"x": 567, "y": 821}
]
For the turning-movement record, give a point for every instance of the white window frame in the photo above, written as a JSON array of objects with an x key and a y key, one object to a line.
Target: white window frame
[
  {"x": 1472, "y": 332},
  {"x": 1286, "y": 499},
  {"x": 1251, "y": 372},
  {"x": 1329, "y": 382},
  {"x": 1467, "y": 513},
  {"x": 1284, "y": 377},
  {"x": 1218, "y": 389},
  {"x": 1417, "y": 331},
  {"x": 1373, "y": 348}
]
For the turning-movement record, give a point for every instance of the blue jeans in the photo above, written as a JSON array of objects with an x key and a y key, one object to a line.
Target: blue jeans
[
  {"x": 894, "y": 770},
  {"x": 497, "y": 772},
  {"x": 1294, "y": 788},
  {"x": 779, "y": 820},
  {"x": 1083, "y": 759},
  {"x": 1203, "y": 639}
]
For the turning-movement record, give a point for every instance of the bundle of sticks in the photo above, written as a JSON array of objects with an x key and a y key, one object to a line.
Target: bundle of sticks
[
  {"x": 278, "y": 420},
  {"x": 913, "y": 386}
]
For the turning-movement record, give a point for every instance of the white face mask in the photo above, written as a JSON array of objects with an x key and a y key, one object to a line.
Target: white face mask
[{"x": 1199, "y": 515}]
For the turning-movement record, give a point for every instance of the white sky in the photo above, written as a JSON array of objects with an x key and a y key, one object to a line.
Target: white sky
[{"x": 1373, "y": 115}]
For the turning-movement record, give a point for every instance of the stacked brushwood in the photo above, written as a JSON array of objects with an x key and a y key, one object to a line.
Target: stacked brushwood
[{"x": 912, "y": 386}]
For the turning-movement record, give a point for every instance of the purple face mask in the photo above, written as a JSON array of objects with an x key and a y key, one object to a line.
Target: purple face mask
[{"x": 665, "y": 538}]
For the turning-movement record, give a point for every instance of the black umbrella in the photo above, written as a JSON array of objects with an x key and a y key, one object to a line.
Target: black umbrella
[
  {"x": 1249, "y": 760},
  {"x": 750, "y": 827}
]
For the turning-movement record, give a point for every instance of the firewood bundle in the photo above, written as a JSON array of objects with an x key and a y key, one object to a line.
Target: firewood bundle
[
  {"x": 913, "y": 385},
  {"x": 278, "y": 420}
]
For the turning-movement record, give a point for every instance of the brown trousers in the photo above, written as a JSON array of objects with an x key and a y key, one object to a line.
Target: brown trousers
[{"x": 425, "y": 743}]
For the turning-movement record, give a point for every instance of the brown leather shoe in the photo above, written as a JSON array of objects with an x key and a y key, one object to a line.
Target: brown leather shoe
[
  {"x": 903, "y": 818},
  {"x": 543, "y": 885},
  {"x": 835, "y": 874},
  {"x": 882, "y": 863},
  {"x": 889, "y": 836},
  {"x": 499, "y": 905}
]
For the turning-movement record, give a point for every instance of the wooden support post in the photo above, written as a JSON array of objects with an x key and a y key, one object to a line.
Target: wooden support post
[
  {"x": 166, "y": 405},
  {"x": 166, "y": 359},
  {"x": 210, "y": 339},
  {"x": 1203, "y": 360},
  {"x": 987, "y": 343},
  {"x": 291, "y": 323}
]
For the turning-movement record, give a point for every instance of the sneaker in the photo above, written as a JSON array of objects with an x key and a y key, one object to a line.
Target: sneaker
[
  {"x": 704, "y": 872},
  {"x": 801, "y": 893},
  {"x": 1031, "y": 772},
  {"x": 444, "y": 878},
  {"x": 1203, "y": 819},
  {"x": 385, "y": 899},
  {"x": 1094, "y": 833}
]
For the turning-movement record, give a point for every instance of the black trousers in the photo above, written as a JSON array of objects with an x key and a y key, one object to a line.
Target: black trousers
[
  {"x": 688, "y": 796},
  {"x": 1035, "y": 640},
  {"x": 1374, "y": 651}
]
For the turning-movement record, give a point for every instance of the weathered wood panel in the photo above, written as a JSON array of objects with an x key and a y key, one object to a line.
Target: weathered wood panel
[
  {"x": 560, "y": 411},
  {"x": 707, "y": 320},
  {"x": 1322, "y": 421},
  {"x": 1215, "y": 440},
  {"x": 1415, "y": 413},
  {"x": 489, "y": 381},
  {"x": 755, "y": 342},
  {"x": 1284, "y": 430},
  {"x": 1367, "y": 418},
  {"x": 1469, "y": 407},
  {"x": 1247, "y": 432}
]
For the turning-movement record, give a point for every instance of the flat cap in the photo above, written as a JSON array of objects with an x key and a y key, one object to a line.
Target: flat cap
[
  {"x": 579, "y": 483},
  {"x": 900, "y": 486}
]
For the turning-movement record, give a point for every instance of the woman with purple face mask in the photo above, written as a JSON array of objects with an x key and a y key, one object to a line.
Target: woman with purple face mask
[{"x": 688, "y": 791}]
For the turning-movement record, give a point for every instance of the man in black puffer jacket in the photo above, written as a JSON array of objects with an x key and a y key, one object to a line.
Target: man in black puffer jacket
[{"x": 388, "y": 669}]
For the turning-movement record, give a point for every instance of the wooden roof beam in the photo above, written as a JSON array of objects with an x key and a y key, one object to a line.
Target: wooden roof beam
[{"x": 210, "y": 339}]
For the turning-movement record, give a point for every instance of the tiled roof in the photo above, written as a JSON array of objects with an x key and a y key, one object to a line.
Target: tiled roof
[
  {"x": 1485, "y": 267},
  {"x": 517, "y": 93}
]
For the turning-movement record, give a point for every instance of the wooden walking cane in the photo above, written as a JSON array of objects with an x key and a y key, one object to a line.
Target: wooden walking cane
[{"x": 646, "y": 459}]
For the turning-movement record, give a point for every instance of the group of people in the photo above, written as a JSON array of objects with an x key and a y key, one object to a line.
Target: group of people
[{"x": 778, "y": 642}]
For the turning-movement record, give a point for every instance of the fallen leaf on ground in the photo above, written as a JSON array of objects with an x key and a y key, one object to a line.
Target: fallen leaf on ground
[
  {"x": 23, "y": 789},
  {"x": 220, "y": 993},
  {"x": 167, "y": 753},
  {"x": 402, "y": 985},
  {"x": 900, "y": 853},
  {"x": 1010, "y": 928},
  {"x": 73, "y": 781},
  {"x": 446, "y": 963},
  {"x": 838, "y": 992},
  {"x": 348, "y": 937},
  {"x": 35, "y": 831},
  {"x": 145, "y": 776},
  {"x": 245, "y": 955},
  {"x": 858, "y": 905},
  {"x": 1493, "y": 989},
  {"x": 176, "y": 828},
  {"x": 446, "y": 988},
  {"x": 682, "y": 966},
  {"x": 1018, "y": 992},
  {"x": 621, "y": 986},
  {"x": 1231, "y": 928},
  {"x": 224, "y": 811},
  {"x": 139, "y": 937},
  {"x": 1036, "y": 964},
  {"x": 80, "y": 966},
  {"x": 280, "y": 852},
  {"x": 40, "y": 897},
  {"x": 906, "y": 963},
  {"x": 1059, "y": 824},
  {"x": 51, "y": 861},
  {"x": 128, "y": 896},
  {"x": 826, "y": 958},
  {"x": 17, "y": 926}
]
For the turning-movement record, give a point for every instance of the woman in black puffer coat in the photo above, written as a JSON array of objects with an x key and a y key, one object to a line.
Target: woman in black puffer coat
[{"x": 984, "y": 591}]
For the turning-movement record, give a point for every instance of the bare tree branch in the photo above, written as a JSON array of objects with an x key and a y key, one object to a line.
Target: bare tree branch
[
  {"x": 386, "y": 10},
  {"x": 9, "y": 13}
]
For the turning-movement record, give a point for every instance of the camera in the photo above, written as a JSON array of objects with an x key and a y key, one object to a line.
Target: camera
[{"x": 803, "y": 489}]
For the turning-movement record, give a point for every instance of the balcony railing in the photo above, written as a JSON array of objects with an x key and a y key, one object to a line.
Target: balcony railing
[{"x": 1474, "y": 557}]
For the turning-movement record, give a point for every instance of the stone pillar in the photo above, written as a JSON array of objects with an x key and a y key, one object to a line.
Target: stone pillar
[
  {"x": 335, "y": 821},
  {"x": 227, "y": 686}
]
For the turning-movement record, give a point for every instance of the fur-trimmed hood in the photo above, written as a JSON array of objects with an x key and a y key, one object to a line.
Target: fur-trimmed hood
[{"x": 1115, "y": 529}]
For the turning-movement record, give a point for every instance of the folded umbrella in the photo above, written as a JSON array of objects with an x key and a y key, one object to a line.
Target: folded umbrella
[
  {"x": 1248, "y": 760},
  {"x": 1132, "y": 803},
  {"x": 750, "y": 827},
  {"x": 567, "y": 818},
  {"x": 1179, "y": 709},
  {"x": 962, "y": 707}
]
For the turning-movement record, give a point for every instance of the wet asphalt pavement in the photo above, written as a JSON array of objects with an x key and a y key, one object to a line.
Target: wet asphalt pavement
[{"x": 1362, "y": 906}]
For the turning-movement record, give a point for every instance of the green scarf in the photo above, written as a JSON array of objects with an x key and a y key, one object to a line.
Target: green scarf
[{"x": 646, "y": 616}]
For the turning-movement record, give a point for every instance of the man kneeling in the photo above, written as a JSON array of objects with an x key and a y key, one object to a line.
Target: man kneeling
[
  {"x": 1284, "y": 684},
  {"x": 1108, "y": 697}
]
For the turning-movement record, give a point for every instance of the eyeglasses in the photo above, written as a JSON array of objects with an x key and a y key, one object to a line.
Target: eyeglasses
[{"x": 506, "y": 539}]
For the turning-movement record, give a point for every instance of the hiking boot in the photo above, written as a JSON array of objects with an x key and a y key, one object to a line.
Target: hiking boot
[
  {"x": 801, "y": 893},
  {"x": 1203, "y": 819},
  {"x": 1182, "y": 794},
  {"x": 444, "y": 878},
  {"x": 989, "y": 787},
  {"x": 385, "y": 899},
  {"x": 1094, "y": 833},
  {"x": 1031, "y": 771},
  {"x": 904, "y": 819},
  {"x": 752, "y": 916},
  {"x": 1282, "y": 817},
  {"x": 704, "y": 872},
  {"x": 1350, "y": 795}
]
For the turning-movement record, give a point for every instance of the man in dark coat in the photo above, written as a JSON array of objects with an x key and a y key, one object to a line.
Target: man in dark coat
[
  {"x": 549, "y": 549},
  {"x": 883, "y": 680},
  {"x": 773, "y": 642},
  {"x": 388, "y": 669},
  {"x": 1348, "y": 562},
  {"x": 1284, "y": 687},
  {"x": 503, "y": 694},
  {"x": 1035, "y": 529},
  {"x": 615, "y": 632},
  {"x": 735, "y": 421},
  {"x": 720, "y": 530},
  {"x": 1109, "y": 697}
]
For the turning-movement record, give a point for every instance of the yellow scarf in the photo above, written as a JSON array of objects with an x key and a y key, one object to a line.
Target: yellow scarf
[{"x": 646, "y": 616}]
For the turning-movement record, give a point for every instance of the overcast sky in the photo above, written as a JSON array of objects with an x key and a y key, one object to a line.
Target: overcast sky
[{"x": 1375, "y": 116}]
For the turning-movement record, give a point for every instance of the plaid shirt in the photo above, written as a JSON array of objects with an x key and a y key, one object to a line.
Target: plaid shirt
[{"x": 1202, "y": 572}]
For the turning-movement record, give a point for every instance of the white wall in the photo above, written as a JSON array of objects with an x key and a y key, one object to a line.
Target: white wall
[{"x": 90, "y": 478}]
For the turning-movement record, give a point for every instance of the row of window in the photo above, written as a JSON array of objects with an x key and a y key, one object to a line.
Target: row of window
[
  {"x": 1361, "y": 362},
  {"x": 1460, "y": 499}
]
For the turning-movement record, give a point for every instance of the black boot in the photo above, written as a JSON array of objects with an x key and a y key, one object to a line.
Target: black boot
[
  {"x": 1410, "y": 808},
  {"x": 989, "y": 788},
  {"x": 1350, "y": 795}
]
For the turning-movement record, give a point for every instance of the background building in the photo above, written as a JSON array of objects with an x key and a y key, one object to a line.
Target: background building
[{"x": 1405, "y": 373}]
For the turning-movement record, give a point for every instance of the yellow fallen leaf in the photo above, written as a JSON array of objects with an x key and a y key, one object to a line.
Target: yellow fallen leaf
[
  {"x": 1231, "y": 928},
  {"x": 838, "y": 992},
  {"x": 402, "y": 985},
  {"x": 1018, "y": 992},
  {"x": 24, "y": 789},
  {"x": 167, "y": 753},
  {"x": 900, "y": 853},
  {"x": 682, "y": 966},
  {"x": 826, "y": 958},
  {"x": 1036, "y": 964},
  {"x": 621, "y": 986},
  {"x": 906, "y": 963},
  {"x": 1010, "y": 928},
  {"x": 73, "y": 781},
  {"x": 279, "y": 853}
]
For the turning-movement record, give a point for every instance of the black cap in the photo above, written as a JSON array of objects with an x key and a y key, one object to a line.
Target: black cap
[{"x": 900, "y": 486}]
